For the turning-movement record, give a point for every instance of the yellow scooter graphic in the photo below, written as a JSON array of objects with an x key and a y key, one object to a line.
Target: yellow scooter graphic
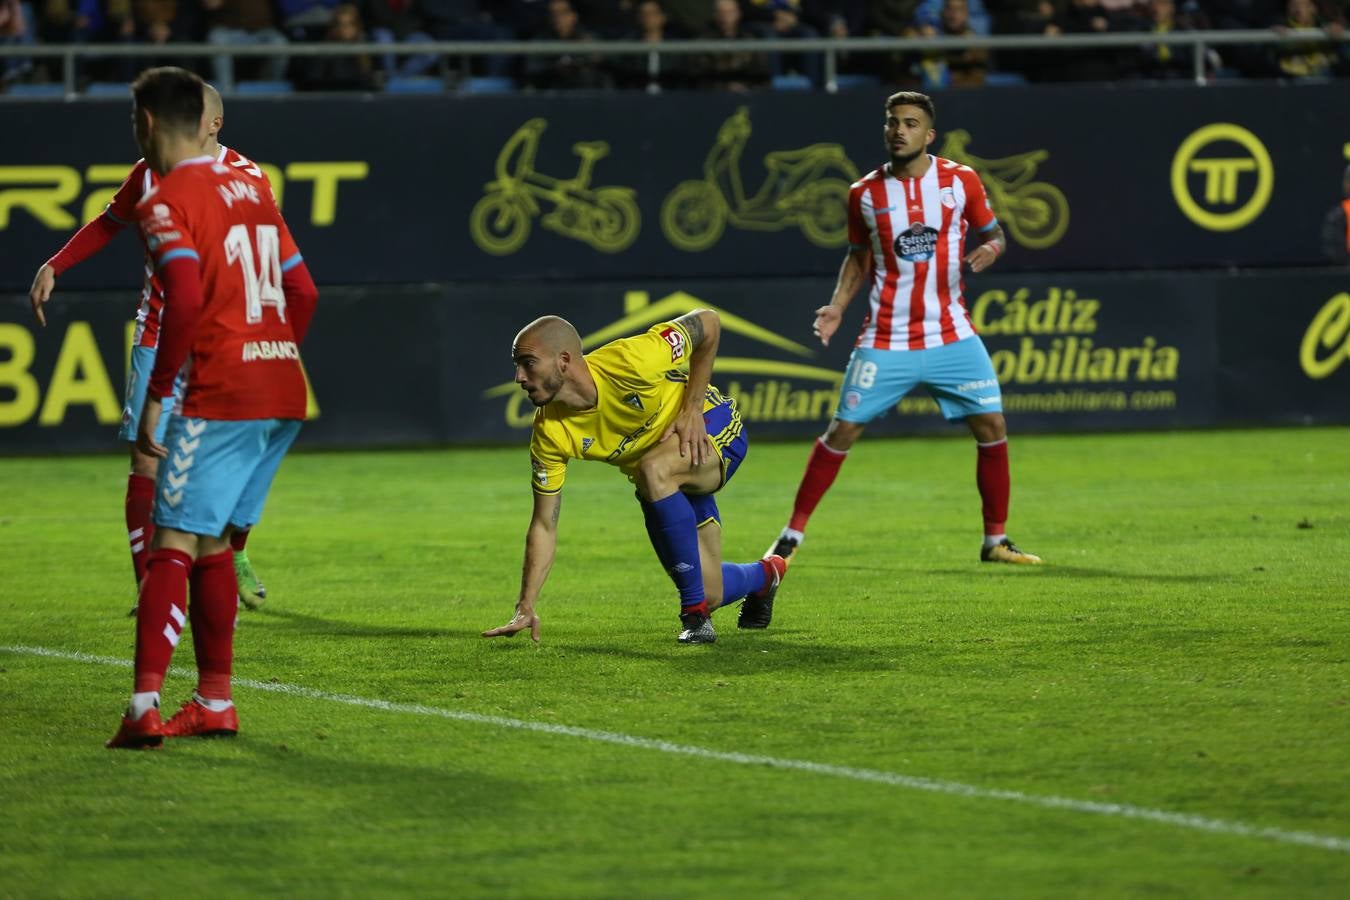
[
  {"x": 1034, "y": 212},
  {"x": 807, "y": 188},
  {"x": 607, "y": 217}
]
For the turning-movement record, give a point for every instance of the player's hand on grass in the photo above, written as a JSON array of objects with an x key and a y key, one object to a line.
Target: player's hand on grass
[
  {"x": 828, "y": 318},
  {"x": 524, "y": 618},
  {"x": 145, "y": 434},
  {"x": 44, "y": 282}
]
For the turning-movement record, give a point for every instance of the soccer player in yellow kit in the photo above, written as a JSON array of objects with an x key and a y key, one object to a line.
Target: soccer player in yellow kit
[{"x": 632, "y": 403}]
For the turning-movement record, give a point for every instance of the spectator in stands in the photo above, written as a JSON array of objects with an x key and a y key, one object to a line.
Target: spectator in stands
[
  {"x": 931, "y": 12},
  {"x": 1249, "y": 60},
  {"x": 162, "y": 23},
  {"x": 102, "y": 22},
  {"x": 467, "y": 20},
  {"x": 17, "y": 28},
  {"x": 571, "y": 70},
  {"x": 606, "y": 18},
  {"x": 845, "y": 63},
  {"x": 652, "y": 26},
  {"x": 1094, "y": 64},
  {"x": 394, "y": 21},
  {"x": 688, "y": 18},
  {"x": 955, "y": 68},
  {"x": 1314, "y": 59},
  {"x": 891, "y": 18},
  {"x": 306, "y": 20},
  {"x": 737, "y": 71},
  {"x": 1336, "y": 227},
  {"x": 786, "y": 24},
  {"x": 1163, "y": 62},
  {"x": 822, "y": 15},
  {"x": 340, "y": 73},
  {"x": 243, "y": 23}
]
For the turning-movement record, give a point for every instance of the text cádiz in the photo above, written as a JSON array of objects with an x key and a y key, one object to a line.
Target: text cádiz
[{"x": 1073, "y": 357}]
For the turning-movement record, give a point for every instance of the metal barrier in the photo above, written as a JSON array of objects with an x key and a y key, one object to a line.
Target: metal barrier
[{"x": 830, "y": 48}]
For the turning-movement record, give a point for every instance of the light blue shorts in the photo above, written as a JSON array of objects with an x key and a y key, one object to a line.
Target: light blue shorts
[
  {"x": 138, "y": 382},
  {"x": 218, "y": 472},
  {"x": 959, "y": 376}
]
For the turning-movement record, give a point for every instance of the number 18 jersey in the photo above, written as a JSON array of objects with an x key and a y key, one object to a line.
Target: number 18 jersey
[{"x": 244, "y": 362}]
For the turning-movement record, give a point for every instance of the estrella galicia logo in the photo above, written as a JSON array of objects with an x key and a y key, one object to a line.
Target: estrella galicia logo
[{"x": 917, "y": 244}]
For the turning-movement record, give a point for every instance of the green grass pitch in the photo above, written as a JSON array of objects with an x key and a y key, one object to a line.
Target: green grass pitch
[{"x": 1176, "y": 675}]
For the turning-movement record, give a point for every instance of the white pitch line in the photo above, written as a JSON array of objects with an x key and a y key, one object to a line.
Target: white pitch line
[{"x": 912, "y": 782}]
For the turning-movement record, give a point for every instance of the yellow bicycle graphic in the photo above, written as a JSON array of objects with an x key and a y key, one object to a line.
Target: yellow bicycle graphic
[
  {"x": 807, "y": 187},
  {"x": 1034, "y": 212},
  {"x": 607, "y": 217}
]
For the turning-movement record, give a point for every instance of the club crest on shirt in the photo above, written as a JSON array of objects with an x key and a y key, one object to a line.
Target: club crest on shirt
[
  {"x": 675, "y": 338},
  {"x": 947, "y": 197},
  {"x": 918, "y": 243},
  {"x": 586, "y": 444},
  {"x": 633, "y": 400}
]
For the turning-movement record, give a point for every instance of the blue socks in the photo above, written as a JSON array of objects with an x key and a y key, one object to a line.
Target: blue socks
[
  {"x": 740, "y": 579},
  {"x": 674, "y": 534}
]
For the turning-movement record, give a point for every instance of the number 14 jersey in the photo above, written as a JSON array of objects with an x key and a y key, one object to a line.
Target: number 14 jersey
[{"x": 244, "y": 361}]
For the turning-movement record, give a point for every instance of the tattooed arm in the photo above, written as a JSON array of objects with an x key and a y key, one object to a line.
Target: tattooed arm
[
  {"x": 705, "y": 330},
  {"x": 992, "y": 247}
]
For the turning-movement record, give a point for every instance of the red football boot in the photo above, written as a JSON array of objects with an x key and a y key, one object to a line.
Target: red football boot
[
  {"x": 145, "y": 733},
  {"x": 195, "y": 720}
]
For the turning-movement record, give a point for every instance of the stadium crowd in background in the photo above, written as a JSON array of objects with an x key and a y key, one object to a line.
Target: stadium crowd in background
[{"x": 237, "y": 23}]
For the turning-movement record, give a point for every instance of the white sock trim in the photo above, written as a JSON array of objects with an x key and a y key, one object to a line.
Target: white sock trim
[
  {"x": 141, "y": 703},
  {"x": 820, "y": 442},
  {"x": 213, "y": 705},
  {"x": 992, "y": 443}
]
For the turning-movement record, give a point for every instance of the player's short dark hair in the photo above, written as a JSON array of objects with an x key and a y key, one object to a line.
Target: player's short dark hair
[
  {"x": 172, "y": 95},
  {"x": 913, "y": 98}
]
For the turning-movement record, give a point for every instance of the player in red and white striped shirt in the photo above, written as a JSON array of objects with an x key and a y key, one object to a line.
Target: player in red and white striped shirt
[
  {"x": 235, "y": 314},
  {"x": 908, "y": 222},
  {"x": 86, "y": 242}
]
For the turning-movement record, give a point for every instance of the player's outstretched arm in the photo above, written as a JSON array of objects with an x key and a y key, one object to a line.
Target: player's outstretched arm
[
  {"x": 41, "y": 291},
  {"x": 541, "y": 542},
  {"x": 92, "y": 237},
  {"x": 705, "y": 332},
  {"x": 852, "y": 273}
]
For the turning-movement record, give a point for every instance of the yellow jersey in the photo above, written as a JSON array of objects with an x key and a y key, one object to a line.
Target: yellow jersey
[{"x": 640, "y": 385}]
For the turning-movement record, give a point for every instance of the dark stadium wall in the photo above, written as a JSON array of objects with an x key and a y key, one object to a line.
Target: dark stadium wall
[
  {"x": 410, "y": 190},
  {"x": 407, "y": 365}
]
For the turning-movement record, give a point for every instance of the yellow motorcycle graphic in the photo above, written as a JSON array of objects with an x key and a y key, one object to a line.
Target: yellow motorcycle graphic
[
  {"x": 806, "y": 188},
  {"x": 607, "y": 217},
  {"x": 1035, "y": 213}
]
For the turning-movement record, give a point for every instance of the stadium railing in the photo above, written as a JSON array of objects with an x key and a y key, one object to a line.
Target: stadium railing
[{"x": 829, "y": 48}]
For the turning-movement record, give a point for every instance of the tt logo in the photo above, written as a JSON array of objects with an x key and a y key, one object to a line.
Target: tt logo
[{"x": 1223, "y": 177}]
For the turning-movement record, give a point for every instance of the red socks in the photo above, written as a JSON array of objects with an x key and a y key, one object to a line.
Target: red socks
[
  {"x": 215, "y": 603},
  {"x": 821, "y": 469},
  {"x": 140, "y": 503},
  {"x": 160, "y": 615},
  {"x": 237, "y": 540},
  {"x": 991, "y": 475}
]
